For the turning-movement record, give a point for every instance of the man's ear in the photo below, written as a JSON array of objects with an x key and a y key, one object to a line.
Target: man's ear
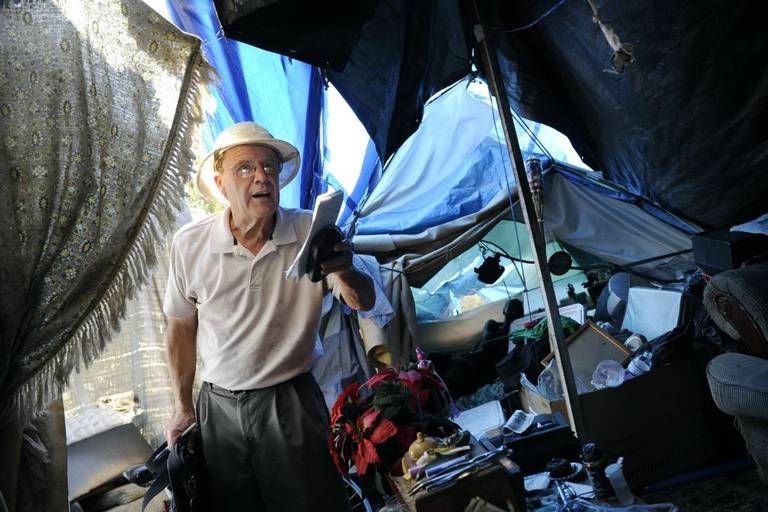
[{"x": 217, "y": 179}]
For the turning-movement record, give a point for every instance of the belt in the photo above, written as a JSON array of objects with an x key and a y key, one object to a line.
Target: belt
[
  {"x": 214, "y": 387},
  {"x": 219, "y": 389}
]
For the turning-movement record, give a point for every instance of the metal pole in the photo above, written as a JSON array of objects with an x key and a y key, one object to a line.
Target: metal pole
[{"x": 535, "y": 233}]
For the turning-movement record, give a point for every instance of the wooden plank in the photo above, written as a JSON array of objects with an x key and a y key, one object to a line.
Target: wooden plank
[{"x": 535, "y": 233}]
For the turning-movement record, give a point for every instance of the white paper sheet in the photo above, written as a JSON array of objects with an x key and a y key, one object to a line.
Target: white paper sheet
[
  {"x": 325, "y": 214},
  {"x": 519, "y": 422},
  {"x": 479, "y": 420}
]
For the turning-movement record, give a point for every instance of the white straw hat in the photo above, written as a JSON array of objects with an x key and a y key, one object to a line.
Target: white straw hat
[{"x": 244, "y": 134}]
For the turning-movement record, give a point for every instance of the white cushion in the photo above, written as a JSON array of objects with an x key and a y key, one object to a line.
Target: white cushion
[{"x": 651, "y": 311}]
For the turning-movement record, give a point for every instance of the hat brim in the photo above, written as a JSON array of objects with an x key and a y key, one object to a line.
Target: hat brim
[{"x": 289, "y": 155}]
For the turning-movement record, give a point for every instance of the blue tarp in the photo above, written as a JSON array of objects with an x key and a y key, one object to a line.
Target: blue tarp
[
  {"x": 350, "y": 160},
  {"x": 284, "y": 95},
  {"x": 455, "y": 164}
]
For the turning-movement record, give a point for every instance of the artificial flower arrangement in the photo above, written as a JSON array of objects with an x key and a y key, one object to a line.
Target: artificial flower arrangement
[{"x": 375, "y": 423}]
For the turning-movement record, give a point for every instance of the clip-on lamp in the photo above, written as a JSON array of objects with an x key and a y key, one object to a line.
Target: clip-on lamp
[{"x": 490, "y": 270}]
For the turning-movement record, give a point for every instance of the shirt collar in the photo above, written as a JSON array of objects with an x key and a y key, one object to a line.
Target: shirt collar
[
  {"x": 285, "y": 232},
  {"x": 222, "y": 240}
]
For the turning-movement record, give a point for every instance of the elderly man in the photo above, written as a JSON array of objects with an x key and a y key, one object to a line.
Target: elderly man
[{"x": 261, "y": 414}]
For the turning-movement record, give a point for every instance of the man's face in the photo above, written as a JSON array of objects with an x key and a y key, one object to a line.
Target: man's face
[{"x": 255, "y": 196}]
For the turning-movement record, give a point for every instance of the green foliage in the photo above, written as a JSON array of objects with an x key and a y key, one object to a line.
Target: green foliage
[{"x": 196, "y": 201}]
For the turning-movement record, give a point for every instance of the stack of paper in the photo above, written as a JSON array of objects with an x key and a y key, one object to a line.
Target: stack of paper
[{"x": 326, "y": 212}]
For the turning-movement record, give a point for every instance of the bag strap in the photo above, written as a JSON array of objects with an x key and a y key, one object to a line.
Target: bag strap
[
  {"x": 176, "y": 480},
  {"x": 156, "y": 461},
  {"x": 160, "y": 483}
]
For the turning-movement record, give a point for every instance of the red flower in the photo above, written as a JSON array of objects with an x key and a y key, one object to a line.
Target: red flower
[
  {"x": 369, "y": 436},
  {"x": 350, "y": 395},
  {"x": 366, "y": 454},
  {"x": 366, "y": 420},
  {"x": 358, "y": 428}
]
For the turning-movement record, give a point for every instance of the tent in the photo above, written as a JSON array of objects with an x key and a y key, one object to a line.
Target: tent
[{"x": 671, "y": 121}]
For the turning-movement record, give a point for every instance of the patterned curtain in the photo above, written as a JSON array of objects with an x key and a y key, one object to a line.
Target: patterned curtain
[
  {"x": 130, "y": 376},
  {"x": 99, "y": 105},
  {"x": 96, "y": 103},
  {"x": 129, "y": 380}
]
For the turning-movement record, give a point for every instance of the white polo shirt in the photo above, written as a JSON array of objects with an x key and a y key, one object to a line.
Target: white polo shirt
[{"x": 255, "y": 327}]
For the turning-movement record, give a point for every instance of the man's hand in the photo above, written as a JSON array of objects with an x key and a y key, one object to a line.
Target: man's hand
[
  {"x": 341, "y": 261},
  {"x": 177, "y": 425},
  {"x": 356, "y": 287}
]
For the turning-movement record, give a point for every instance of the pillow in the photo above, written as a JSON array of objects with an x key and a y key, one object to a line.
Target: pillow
[{"x": 99, "y": 460}]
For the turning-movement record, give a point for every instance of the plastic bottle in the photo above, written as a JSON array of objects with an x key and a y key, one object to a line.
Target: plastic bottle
[
  {"x": 608, "y": 374},
  {"x": 550, "y": 386},
  {"x": 640, "y": 364},
  {"x": 594, "y": 463},
  {"x": 615, "y": 475}
]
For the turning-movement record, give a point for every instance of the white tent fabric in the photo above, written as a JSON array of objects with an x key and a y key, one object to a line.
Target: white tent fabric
[
  {"x": 451, "y": 167},
  {"x": 613, "y": 230}
]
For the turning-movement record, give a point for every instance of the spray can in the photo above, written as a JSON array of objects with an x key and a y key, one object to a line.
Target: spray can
[{"x": 594, "y": 463}]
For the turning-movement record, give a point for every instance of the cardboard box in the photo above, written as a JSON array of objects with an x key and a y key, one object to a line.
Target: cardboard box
[{"x": 663, "y": 423}]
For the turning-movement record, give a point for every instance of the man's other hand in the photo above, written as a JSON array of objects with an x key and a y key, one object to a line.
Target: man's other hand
[
  {"x": 356, "y": 287},
  {"x": 341, "y": 261},
  {"x": 177, "y": 425}
]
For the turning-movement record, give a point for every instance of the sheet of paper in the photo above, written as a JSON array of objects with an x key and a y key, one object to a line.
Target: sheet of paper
[
  {"x": 482, "y": 418},
  {"x": 326, "y": 212},
  {"x": 537, "y": 482},
  {"x": 519, "y": 421},
  {"x": 581, "y": 490}
]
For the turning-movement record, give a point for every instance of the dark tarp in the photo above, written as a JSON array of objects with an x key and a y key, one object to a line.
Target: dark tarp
[
  {"x": 684, "y": 125},
  {"x": 313, "y": 32},
  {"x": 405, "y": 53}
]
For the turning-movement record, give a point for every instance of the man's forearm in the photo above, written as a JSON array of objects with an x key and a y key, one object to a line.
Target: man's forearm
[
  {"x": 181, "y": 350},
  {"x": 357, "y": 289}
]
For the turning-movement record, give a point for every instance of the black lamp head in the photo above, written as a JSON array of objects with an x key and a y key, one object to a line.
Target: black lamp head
[
  {"x": 560, "y": 263},
  {"x": 490, "y": 271}
]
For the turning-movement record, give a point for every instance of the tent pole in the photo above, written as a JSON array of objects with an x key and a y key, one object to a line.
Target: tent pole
[{"x": 535, "y": 232}]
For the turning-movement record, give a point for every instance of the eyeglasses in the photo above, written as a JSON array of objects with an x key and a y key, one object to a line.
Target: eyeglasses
[{"x": 246, "y": 169}]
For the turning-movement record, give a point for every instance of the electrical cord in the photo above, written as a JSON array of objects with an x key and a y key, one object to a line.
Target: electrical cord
[
  {"x": 528, "y": 25},
  {"x": 615, "y": 267},
  {"x": 500, "y": 251}
]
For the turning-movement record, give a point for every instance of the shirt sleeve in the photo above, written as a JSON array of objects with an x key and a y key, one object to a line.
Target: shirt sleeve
[
  {"x": 177, "y": 301},
  {"x": 382, "y": 312}
]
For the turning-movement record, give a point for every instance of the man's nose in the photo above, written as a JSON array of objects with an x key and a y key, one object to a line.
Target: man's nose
[{"x": 259, "y": 174}]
